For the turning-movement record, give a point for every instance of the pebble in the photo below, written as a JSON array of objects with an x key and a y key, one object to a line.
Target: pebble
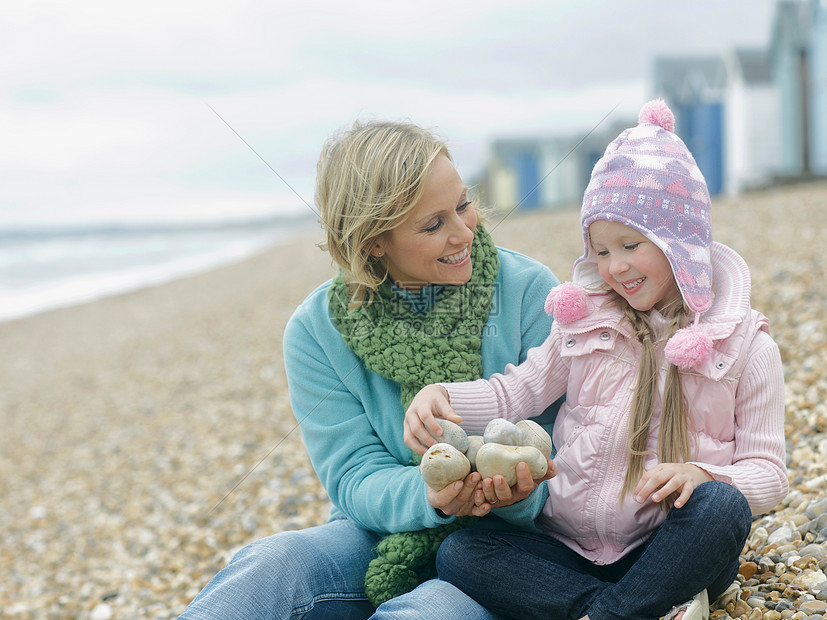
[
  {"x": 503, "y": 432},
  {"x": 443, "y": 464},
  {"x": 452, "y": 433},
  {"x": 782, "y": 534},
  {"x": 814, "y": 607},
  {"x": 536, "y": 436},
  {"x": 101, "y": 612},
  {"x": 474, "y": 444},
  {"x": 809, "y": 579},
  {"x": 494, "y": 458},
  {"x": 818, "y": 507},
  {"x": 748, "y": 569},
  {"x": 163, "y": 418}
]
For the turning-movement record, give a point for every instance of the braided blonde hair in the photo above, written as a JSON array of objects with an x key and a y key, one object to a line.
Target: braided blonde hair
[{"x": 673, "y": 438}]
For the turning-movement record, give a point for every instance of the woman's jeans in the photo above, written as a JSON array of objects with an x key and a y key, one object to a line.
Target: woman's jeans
[
  {"x": 318, "y": 574},
  {"x": 528, "y": 575}
]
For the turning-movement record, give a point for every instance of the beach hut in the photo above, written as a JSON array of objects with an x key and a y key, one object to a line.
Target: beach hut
[
  {"x": 548, "y": 172},
  {"x": 751, "y": 128},
  {"x": 694, "y": 87},
  {"x": 817, "y": 54},
  {"x": 529, "y": 173},
  {"x": 789, "y": 62},
  {"x": 514, "y": 172}
]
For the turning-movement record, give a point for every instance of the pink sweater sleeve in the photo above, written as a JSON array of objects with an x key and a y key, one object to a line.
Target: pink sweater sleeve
[
  {"x": 520, "y": 392},
  {"x": 758, "y": 467}
]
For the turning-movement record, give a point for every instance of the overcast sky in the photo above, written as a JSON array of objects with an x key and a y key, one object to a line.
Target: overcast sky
[{"x": 107, "y": 106}]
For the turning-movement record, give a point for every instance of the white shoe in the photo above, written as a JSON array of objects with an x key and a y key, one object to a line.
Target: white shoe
[{"x": 696, "y": 609}]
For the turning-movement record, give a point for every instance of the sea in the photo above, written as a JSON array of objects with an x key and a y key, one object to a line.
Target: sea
[{"x": 42, "y": 268}]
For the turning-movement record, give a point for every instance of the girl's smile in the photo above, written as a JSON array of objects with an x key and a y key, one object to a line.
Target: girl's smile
[{"x": 632, "y": 287}]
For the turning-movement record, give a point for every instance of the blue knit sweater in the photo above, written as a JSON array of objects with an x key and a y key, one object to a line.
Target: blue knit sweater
[{"x": 351, "y": 417}]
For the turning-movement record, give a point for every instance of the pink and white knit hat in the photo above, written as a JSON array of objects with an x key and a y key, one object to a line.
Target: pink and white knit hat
[{"x": 648, "y": 179}]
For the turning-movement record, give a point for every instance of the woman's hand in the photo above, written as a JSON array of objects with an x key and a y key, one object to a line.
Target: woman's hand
[
  {"x": 429, "y": 403},
  {"x": 667, "y": 478},
  {"x": 495, "y": 492},
  {"x": 458, "y": 498}
]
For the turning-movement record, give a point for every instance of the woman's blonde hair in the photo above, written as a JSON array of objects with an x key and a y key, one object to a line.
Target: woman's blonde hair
[
  {"x": 673, "y": 438},
  {"x": 368, "y": 179}
]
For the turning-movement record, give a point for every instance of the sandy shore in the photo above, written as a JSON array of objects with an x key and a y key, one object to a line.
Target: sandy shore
[{"x": 146, "y": 437}]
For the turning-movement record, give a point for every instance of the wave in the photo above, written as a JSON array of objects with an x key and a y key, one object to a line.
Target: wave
[{"x": 42, "y": 269}]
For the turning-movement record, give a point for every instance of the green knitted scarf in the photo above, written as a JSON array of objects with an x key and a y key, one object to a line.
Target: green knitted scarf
[{"x": 414, "y": 350}]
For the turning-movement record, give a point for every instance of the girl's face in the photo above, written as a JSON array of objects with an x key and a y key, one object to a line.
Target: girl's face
[
  {"x": 432, "y": 245},
  {"x": 633, "y": 266}
]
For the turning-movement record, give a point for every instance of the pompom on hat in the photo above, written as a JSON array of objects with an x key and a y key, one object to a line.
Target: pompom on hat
[
  {"x": 658, "y": 113},
  {"x": 567, "y": 302},
  {"x": 647, "y": 179}
]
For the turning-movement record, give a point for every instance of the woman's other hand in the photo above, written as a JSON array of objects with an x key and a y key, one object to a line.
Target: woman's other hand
[
  {"x": 430, "y": 402},
  {"x": 458, "y": 498}
]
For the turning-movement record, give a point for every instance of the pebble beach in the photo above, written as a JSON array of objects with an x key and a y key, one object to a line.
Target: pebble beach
[{"x": 145, "y": 438}]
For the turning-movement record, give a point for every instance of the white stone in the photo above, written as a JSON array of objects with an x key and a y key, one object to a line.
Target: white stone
[
  {"x": 503, "y": 432},
  {"x": 793, "y": 497},
  {"x": 809, "y": 578},
  {"x": 495, "y": 458},
  {"x": 453, "y": 434},
  {"x": 443, "y": 464},
  {"x": 781, "y": 535},
  {"x": 536, "y": 436},
  {"x": 37, "y": 512},
  {"x": 475, "y": 442},
  {"x": 758, "y": 538},
  {"x": 817, "y": 482},
  {"x": 101, "y": 612}
]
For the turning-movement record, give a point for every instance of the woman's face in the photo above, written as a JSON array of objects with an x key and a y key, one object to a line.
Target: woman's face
[{"x": 432, "y": 245}]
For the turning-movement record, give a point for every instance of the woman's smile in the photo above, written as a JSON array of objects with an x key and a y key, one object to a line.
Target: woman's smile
[{"x": 456, "y": 259}]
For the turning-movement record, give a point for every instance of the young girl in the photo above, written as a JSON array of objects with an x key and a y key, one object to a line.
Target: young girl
[{"x": 671, "y": 436}]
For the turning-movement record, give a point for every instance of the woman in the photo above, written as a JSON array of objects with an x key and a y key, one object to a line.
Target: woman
[{"x": 422, "y": 295}]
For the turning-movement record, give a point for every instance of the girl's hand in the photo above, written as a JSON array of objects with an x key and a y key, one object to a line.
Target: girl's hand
[
  {"x": 667, "y": 478},
  {"x": 495, "y": 493},
  {"x": 458, "y": 498},
  {"x": 430, "y": 402}
]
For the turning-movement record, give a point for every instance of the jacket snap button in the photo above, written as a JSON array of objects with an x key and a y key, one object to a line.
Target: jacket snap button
[
  {"x": 720, "y": 365},
  {"x": 604, "y": 335},
  {"x": 570, "y": 342}
]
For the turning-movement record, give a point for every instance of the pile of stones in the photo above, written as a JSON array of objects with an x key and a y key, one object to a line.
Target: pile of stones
[{"x": 498, "y": 451}]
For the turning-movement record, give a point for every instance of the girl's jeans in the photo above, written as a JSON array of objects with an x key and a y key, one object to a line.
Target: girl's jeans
[
  {"x": 529, "y": 575},
  {"x": 318, "y": 574}
]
